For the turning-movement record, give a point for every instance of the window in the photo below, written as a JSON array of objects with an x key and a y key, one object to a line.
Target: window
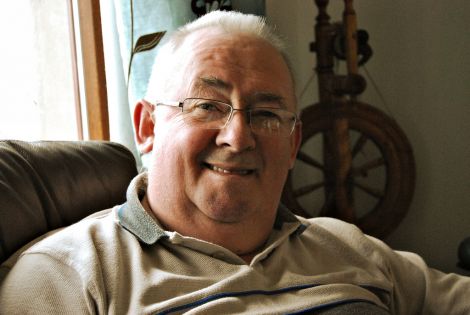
[{"x": 40, "y": 58}]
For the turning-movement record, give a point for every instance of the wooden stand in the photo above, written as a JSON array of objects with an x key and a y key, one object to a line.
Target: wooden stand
[{"x": 336, "y": 118}]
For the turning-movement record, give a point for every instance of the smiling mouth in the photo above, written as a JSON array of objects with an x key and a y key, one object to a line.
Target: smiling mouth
[{"x": 226, "y": 171}]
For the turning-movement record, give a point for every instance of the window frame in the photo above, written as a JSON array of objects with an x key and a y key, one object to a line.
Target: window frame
[{"x": 94, "y": 76}]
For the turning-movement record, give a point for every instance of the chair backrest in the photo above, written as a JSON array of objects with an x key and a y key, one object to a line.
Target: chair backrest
[{"x": 45, "y": 185}]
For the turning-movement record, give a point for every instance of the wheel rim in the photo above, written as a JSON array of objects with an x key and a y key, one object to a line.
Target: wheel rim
[{"x": 371, "y": 131}]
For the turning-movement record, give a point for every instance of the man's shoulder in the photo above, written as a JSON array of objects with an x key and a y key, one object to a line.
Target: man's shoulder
[
  {"x": 339, "y": 233},
  {"x": 78, "y": 238},
  {"x": 71, "y": 245},
  {"x": 331, "y": 225}
]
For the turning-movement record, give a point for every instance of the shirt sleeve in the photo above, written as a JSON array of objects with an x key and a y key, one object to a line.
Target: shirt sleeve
[
  {"x": 419, "y": 289},
  {"x": 40, "y": 284}
]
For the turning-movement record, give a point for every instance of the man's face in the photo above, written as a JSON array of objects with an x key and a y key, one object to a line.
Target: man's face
[{"x": 230, "y": 175}]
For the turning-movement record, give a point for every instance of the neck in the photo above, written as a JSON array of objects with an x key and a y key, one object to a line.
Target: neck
[{"x": 244, "y": 239}]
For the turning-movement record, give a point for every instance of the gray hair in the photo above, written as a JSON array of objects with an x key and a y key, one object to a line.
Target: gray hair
[{"x": 230, "y": 22}]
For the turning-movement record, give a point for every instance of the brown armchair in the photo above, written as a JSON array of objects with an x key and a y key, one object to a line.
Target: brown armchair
[{"x": 46, "y": 185}]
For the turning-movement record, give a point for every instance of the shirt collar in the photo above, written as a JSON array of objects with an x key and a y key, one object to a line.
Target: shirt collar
[{"x": 134, "y": 218}]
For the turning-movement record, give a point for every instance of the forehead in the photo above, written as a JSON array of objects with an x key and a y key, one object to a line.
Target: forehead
[{"x": 234, "y": 64}]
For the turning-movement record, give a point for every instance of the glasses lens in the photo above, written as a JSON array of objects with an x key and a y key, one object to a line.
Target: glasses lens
[
  {"x": 205, "y": 113},
  {"x": 272, "y": 121},
  {"x": 211, "y": 114}
]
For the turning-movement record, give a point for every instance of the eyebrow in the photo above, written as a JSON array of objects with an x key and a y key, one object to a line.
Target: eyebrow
[
  {"x": 222, "y": 85},
  {"x": 213, "y": 82},
  {"x": 269, "y": 97}
]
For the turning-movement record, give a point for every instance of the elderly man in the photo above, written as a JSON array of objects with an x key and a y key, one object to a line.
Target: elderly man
[{"x": 203, "y": 230}]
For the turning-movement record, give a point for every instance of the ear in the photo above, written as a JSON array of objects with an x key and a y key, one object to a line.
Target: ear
[
  {"x": 295, "y": 143},
  {"x": 143, "y": 125}
]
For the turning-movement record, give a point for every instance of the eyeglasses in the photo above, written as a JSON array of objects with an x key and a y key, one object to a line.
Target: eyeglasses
[{"x": 212, "y": 114}]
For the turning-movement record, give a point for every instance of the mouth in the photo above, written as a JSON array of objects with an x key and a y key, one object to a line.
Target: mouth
[{"x": 229, "y": 170}]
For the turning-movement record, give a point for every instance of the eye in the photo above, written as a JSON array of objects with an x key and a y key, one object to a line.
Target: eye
[
  {"x": 265, "y": 114},
  {"x": 206, "y": 106},
  {"x": 203, "y": 110}
]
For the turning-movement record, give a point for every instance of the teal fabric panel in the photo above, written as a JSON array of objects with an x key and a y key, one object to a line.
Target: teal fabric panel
[{"x": 140, "y": 17}]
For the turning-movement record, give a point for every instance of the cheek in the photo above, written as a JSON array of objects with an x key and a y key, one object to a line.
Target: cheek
[
  {"x": 277, "y": 154},
  {"x": 169, "y": 166},
  {"x": 182, "y": 147}
]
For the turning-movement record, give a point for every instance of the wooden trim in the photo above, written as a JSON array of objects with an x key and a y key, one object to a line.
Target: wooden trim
[
  {"x": 93, "y": 69},
  {"x": 76, "y": 80}
]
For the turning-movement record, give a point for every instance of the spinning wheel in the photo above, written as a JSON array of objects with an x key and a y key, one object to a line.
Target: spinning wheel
[
  {"x": 380, "y": 180},
  {"x": 355, "y": 163}
]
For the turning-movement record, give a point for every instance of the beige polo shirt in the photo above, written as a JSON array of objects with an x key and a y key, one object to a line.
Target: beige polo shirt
[{"x": 121, "y": 262}]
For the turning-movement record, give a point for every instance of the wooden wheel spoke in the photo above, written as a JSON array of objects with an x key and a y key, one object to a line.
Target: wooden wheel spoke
[
  {"x": 307, "y": 189},
  {"x": 360, "y": 143},
  {"x": 363, "y": 169},
  {"x": 309, "y": 160},
  {"x": 379, "y": 194},
  {"x": 379, "y": 182}
]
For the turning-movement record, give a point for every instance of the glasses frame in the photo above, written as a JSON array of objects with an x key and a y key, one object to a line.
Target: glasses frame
[{"x": 180, "y": 104}]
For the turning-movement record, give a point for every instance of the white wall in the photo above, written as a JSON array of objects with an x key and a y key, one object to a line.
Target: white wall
[{"x": 421, "y": 64}]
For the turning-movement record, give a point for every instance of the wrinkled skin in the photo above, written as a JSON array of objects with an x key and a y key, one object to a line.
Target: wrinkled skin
[{"x": 222, "y": 186}]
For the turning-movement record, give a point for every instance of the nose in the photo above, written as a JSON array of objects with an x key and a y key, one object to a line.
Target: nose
[{"x": 237, "y": 134}]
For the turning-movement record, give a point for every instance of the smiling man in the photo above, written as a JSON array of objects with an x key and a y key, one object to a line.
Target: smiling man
[
  {"x": 233, "y": 140},
  {"x": 203, "y": 231}
]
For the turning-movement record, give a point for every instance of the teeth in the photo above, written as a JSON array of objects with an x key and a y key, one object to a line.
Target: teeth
[{"x": 224, "y": 171}]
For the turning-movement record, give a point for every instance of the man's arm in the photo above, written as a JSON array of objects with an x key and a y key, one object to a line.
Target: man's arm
[
  {"x": 433, "y": 291},
  {"x": 40, "y": 284}
]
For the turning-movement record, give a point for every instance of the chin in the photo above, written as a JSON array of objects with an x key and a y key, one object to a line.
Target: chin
[{"x": 230, "y": 212}]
